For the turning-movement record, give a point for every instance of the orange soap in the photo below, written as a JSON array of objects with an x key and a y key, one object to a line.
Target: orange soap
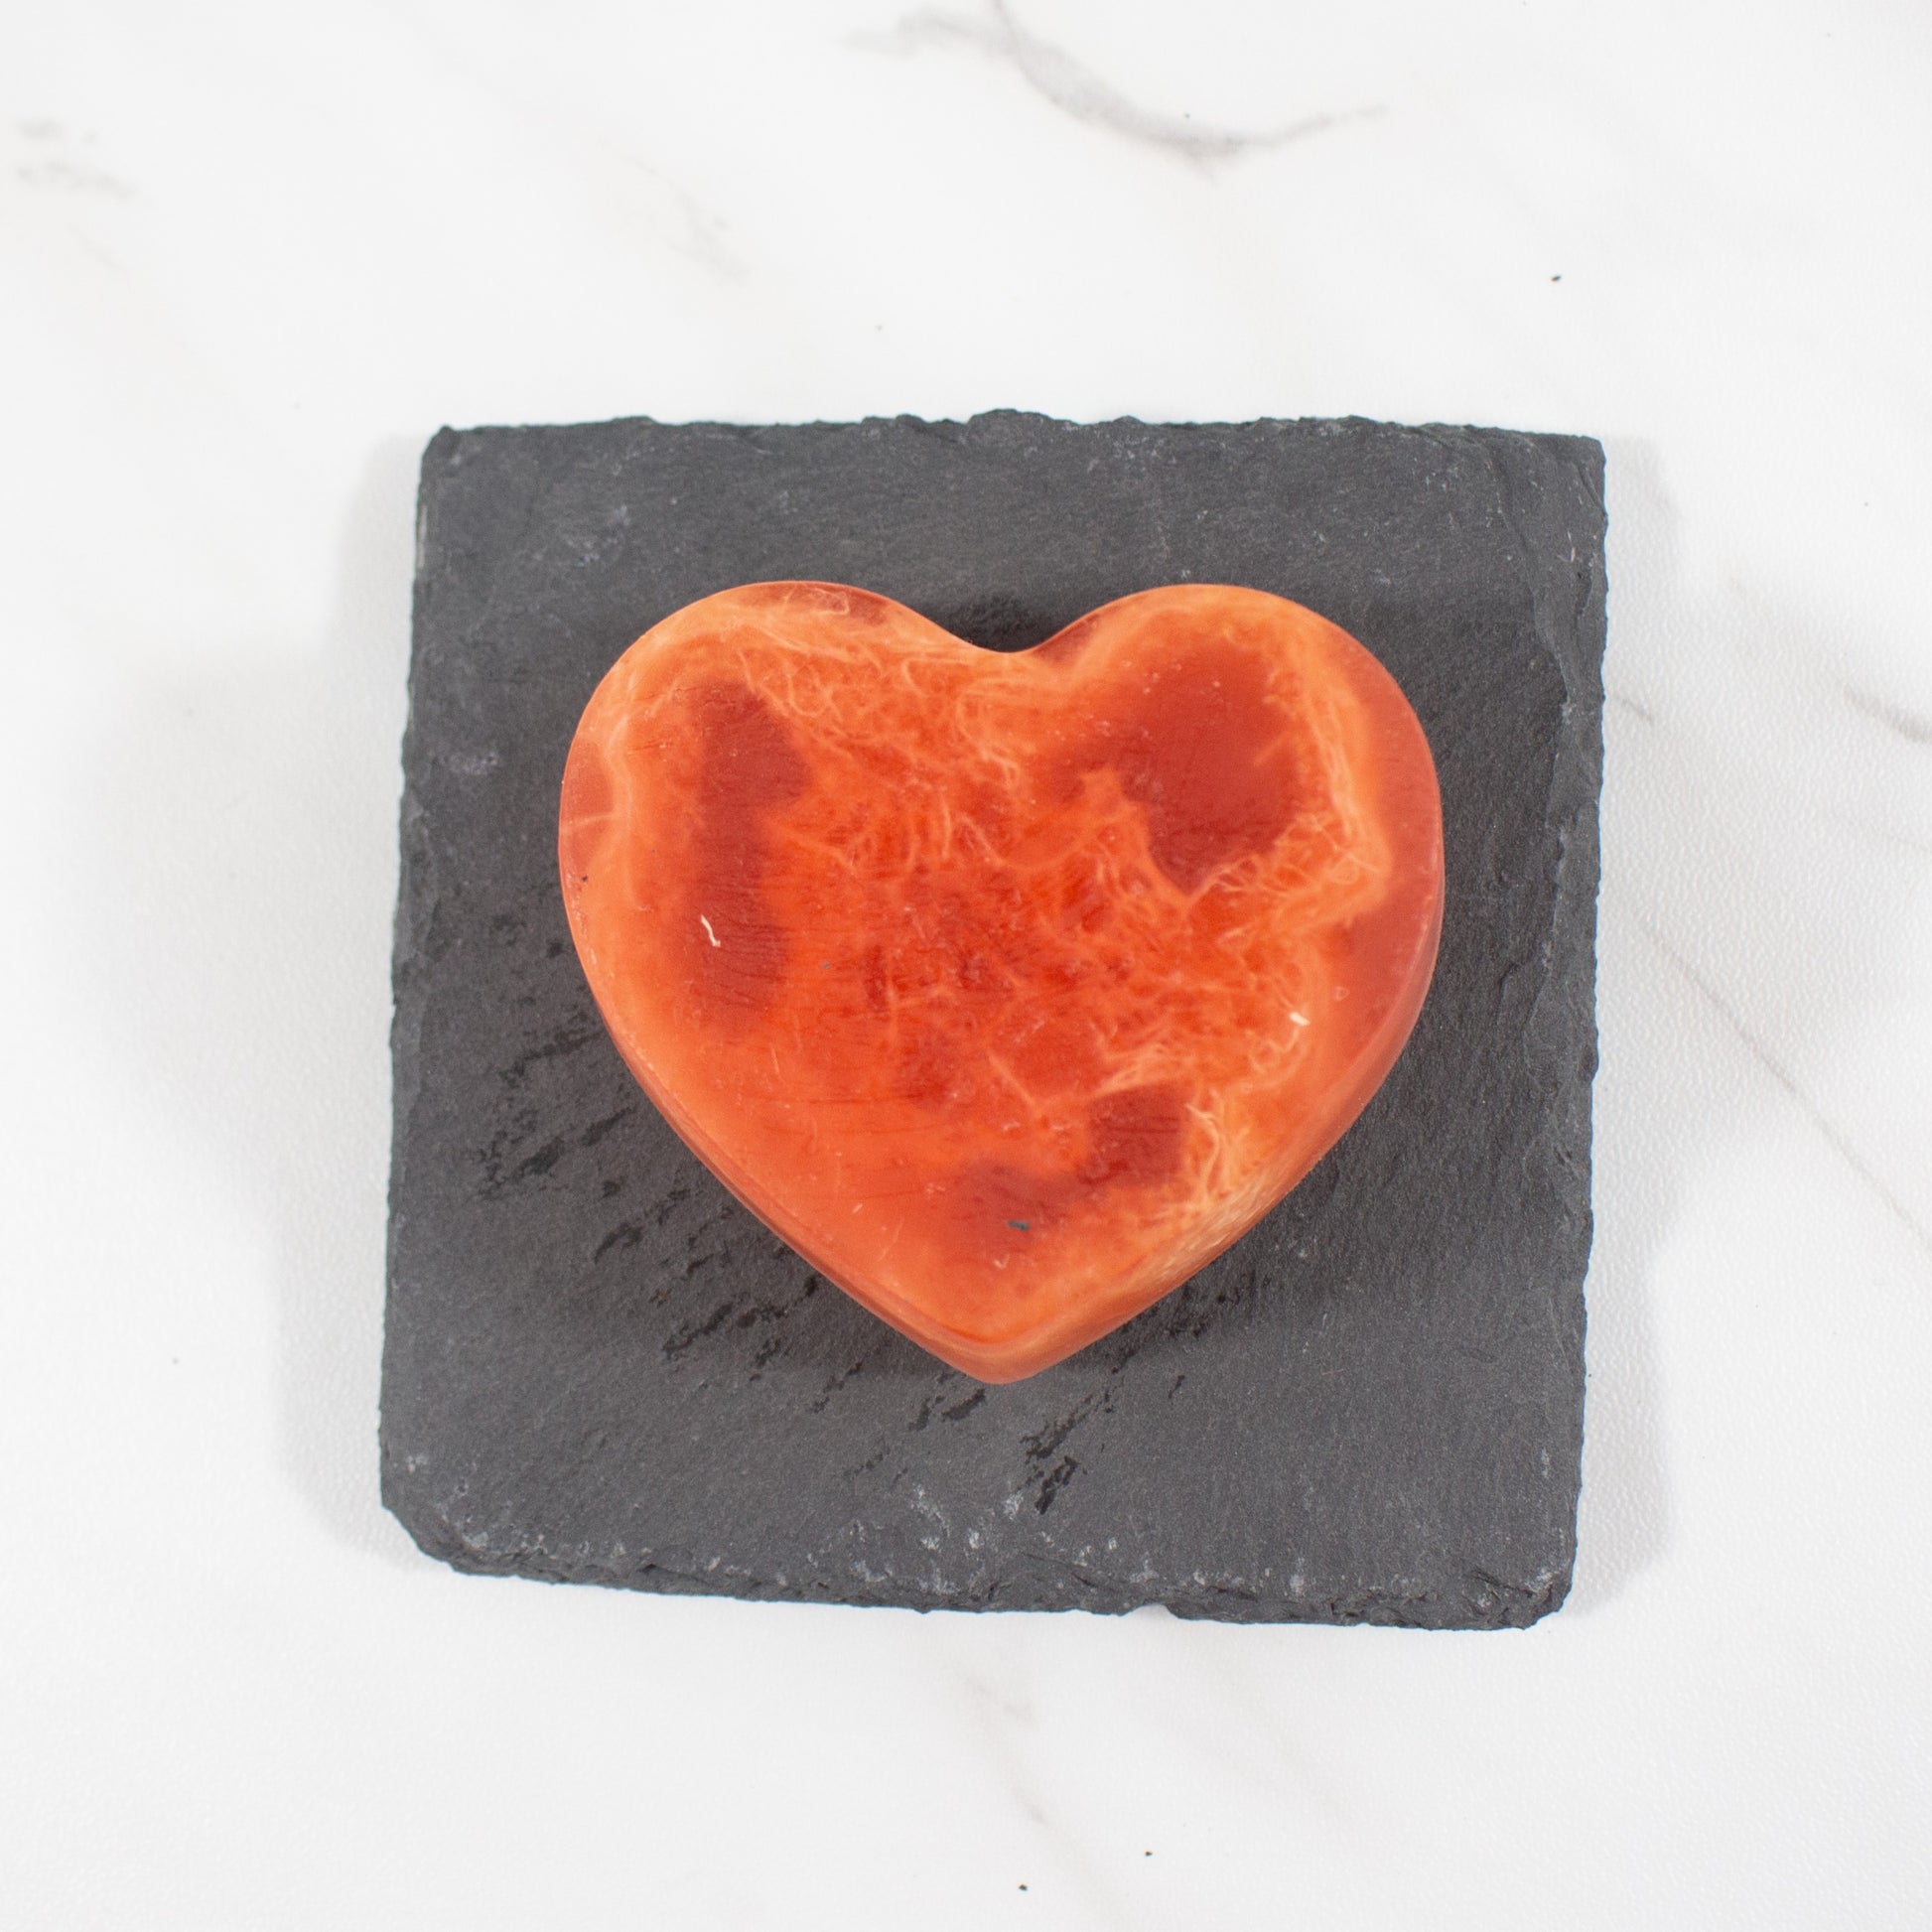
[{"x": 1008, "y": 988}]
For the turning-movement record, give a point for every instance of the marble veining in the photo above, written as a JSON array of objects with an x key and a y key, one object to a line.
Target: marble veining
[{"x": 1069, "y": 84}]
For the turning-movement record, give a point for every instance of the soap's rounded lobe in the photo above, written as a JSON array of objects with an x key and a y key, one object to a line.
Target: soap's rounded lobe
[{"x": 1008, "y": 988}]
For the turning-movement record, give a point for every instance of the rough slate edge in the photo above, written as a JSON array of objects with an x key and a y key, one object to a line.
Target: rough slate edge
[{"x": 1569, "y": 625}]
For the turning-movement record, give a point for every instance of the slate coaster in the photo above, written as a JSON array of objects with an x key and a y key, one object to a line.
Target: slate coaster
[{"x": 599, "y": 1368}]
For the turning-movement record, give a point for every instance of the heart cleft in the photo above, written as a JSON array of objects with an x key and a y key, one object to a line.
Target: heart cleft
[{"x": 1008, "y": 988}]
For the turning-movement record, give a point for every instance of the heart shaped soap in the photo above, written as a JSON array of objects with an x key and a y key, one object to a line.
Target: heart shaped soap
[{"x": 1008, "y": 988}]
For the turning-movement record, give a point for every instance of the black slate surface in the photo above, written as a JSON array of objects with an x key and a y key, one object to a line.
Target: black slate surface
[{"x": 599, "y": 1368}]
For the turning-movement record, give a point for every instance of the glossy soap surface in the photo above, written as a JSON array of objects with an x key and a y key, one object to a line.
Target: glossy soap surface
[{"x": 1008, "y": 988}]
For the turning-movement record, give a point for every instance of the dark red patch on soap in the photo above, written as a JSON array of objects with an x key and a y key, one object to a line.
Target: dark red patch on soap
[
  {"x": 1200, "y": 748},
  {"x": 928, "y": 1067},
  {"x": 986, "y": 1201},
  {"x": 735, "y": 951},
  {"x": 1136, "y": 1137}
]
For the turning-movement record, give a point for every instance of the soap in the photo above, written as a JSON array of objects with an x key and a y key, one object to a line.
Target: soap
[{"x": 1006, "y": 987}]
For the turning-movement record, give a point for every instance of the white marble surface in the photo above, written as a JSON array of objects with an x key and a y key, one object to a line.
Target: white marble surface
[{"x": 252, "y": 256}]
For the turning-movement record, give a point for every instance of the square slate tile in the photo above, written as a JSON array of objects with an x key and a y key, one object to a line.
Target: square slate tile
[{"x": 599, "y": 1368}]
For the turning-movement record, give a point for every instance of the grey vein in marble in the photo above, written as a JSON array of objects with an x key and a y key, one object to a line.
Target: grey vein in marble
[
  {"x": 1833, "y": 1135},
  {"x": 1908, "y": 725},
  {"x": 698, "y": 231},
  {"x": 1071, "y": 86}
]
